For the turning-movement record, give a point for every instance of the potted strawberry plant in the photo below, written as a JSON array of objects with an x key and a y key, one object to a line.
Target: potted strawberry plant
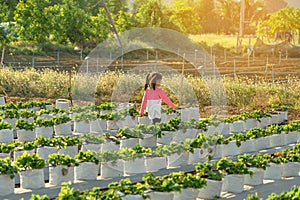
[
  {"x": 292, "y": 167},
  {"x": 10, "y": 116},
  {"x": 82, "y": 122},
  {"x": 168, "y": 132},
  {"x": 190, "y": 185},
  {"x": 6, "y": 132},
  {"x": 129, "y": 136},
  {"x": 6, "y": 149},
  {"x": 97, "y": 123},
  {"x": 129, "y": 190},
  {"x": 235, "y": 173},
  {"x": 256, "y": 163},
  {"x": 44, "y": 114},
  {"x": 68, "y": 145},
  {"x": 111, "y": 164},
  {"x": 134, "y": 159},
  {"x": 150, "y": 135},
  {"x": 32, "y": 171},
  {"x": 91, "y": 141},
  {"x": 88, "y": 167},
  {"x": 21, "y": 148},
  {"x": 61, "y": 168},
  {"x": 62, "y": 125},
  {"x": 179, "y": 154},
  {"x": 25, "y": 130},
  {"x": 274, "y": 170},
  {"x": 7, "y": 174},
  {"x": 214, "y": 180},
  {"x": 162, "y": 187},
  {"x": 144, "y": 119},
  {"x": 27, "y": 115},
  {"x": 44, "y": 128}
]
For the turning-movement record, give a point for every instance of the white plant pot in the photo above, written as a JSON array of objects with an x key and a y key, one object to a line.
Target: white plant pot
[
  {"x": 277, "y": 140},
  {"x": 247, "y": 146},
  {"x": 69, "y": 150},
  {"x": 298, "y": 140},
  {"x": 136, "y": 166},
  {"x": 60, "y": 173},
  {"x": 4, "y": 155},
  {"x": 257, "y": 178},
  {"x": 290, "y": 169},
  {"x": 30, "y": 119},
  {"x": 49, "y": 107},
  {"x": 275, "y": 119},
  {"x": 224, "y": 129},
  {"x": 86, "y": 171},
  {"x": 112, "y": 125},
  {"x": 230, "y": 149},
  {"x": 233, "y": 183},
  {"x": 273, "y": 172},
  {"x": 132, "y": 197},
  {"x": 2, "y": 100},
  {"x": 189, "y": 113},
  {"x": 195, "y": 156},
  {"x": 261, "y": 143},
  {"x": 7, "y": 185},
  {"x": 148, "y": 141},
  {"x": 81, "y": 127},
  {"x": 283, "y": 116},
  {"x": 218, "y": 151},
  {"x": 187, "y": 194},
  {"x": 237, "y": 127},
  {"x": 163, "y": 117},
  {"x": 63, "y": 104},
  {"x": 291, "y": 137},
  {"x": 212, "y": 189},
  {"x": 144, "y": 120},
  {"x": 110, "y": 170},
  {"x": 45, "y": 116},
  {"x": 20, "y": 153},
  {"x": 46, "y": 132},
  {"x": 6, "y": 135},
  {"x": 64, "y": 129},
  {"x": 98, "y": 126},
  {"x": 191, "y": 132},
  {"x": 264, "y": 122},
  {"x": 32, "y": 179},
  {"x": 91, "y": 147},
  {"x": 110, "y": 146},
  {"x": 161, "y": 195},
  {"x": 154, "y": 164},
  {"x": 45, "y": 151},
  {"x": 128, "y": 142},
  {"x": 166, "y": 138},
  {"x": 25, "y": 135},
  {"x": 179, "y": 136},
  {"x": 250, "y": 123},
  {"x": 130, "y": 122},
  {"x": 176, "y": 160},
  {"x": 211, "y": 130}
]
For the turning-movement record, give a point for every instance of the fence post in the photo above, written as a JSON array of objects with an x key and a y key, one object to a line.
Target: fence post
[
  {"x": 273, "y": 73},
  {"x": 195, "y": 58},
  {"x": 32, "y": 61},
  {"x": 234, "y": 69},
  {"x": 57, "y": 58}
]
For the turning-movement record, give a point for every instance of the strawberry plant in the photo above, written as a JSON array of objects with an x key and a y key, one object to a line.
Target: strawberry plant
[
  {"x": 92, "y": 138},
  {"x": 127, "y": 187},
  {"x": 209, "y": 171},
  {"x": 7, "y": 148},
  {"x": 231, "y": 167},
  {"x": 129, "y": 133},
  {"x": 109, "y": 156},
  {"x": 187, "y": 180},
  {"x": 160, "y": 183},
  {"x": 61, "y": 159},
  {"x": 30, "y": 161},
  {"x": 152, "y": 129},
  {"x": 87, "y": 156},
  {"x": 5, "y": 125},
  {"x": 25, "y": 125},
  {"x": 44, "y": 122},
  {"x": 7, "y": 168},
  {"x": 256, "y": 160},
  {"x": 61, "y": 119},
  {"x": 10, "y": 113},
  {"x": 27, "y": 114}
]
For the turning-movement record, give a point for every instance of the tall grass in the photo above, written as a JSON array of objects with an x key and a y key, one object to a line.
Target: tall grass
[{"x": 241, "y": 92}]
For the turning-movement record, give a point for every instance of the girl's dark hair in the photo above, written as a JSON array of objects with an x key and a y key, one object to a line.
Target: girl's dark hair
[
  {"x": 153, "y": 78},
  {"x": 147, "y": 81}
]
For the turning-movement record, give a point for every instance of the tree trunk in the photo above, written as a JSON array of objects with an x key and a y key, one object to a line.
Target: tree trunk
[{"x": 2, "y": 57}]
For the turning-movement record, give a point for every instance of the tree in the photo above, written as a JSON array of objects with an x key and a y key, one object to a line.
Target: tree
[
  {"x": 32, "y": 21},
  {"x": 205, "y": 10},
  {"x": 230, "y": 16},
  {"x": 149, "y": 14},
  {"x": 283, "y": 21},
  {"x": 4, "y": 31},
  {"x": 185, "y": 17}
]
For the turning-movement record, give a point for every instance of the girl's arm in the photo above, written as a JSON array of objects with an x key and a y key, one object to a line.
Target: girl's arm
[
  {"x": 144, "y": 103},
  {"x": 166, "y": 99}
]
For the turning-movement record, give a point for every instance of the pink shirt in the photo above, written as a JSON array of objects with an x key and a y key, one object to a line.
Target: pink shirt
[{"x": 157, "y": 94}]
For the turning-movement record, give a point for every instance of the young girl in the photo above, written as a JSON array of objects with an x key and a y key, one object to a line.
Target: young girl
[{"x": 153, "y": 96}]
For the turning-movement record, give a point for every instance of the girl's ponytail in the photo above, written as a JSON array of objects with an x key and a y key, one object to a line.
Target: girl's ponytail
[{"x": 147, "y": 81}]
